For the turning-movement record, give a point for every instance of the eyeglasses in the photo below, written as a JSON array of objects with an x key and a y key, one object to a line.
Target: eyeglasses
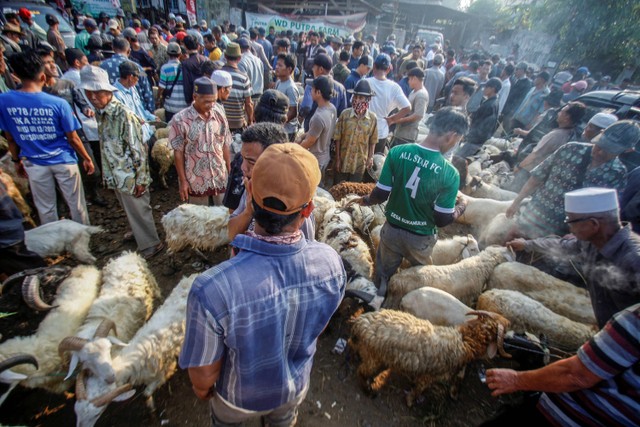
[{"x": 573, "y": 221}]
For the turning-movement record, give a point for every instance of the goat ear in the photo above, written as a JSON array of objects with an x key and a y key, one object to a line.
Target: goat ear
[
  {"x": 124, "y": 396},
  {"x": 73, "y": 363},
  {"x": 116, "y": 341},
  {"x": 492, "y": 350}
]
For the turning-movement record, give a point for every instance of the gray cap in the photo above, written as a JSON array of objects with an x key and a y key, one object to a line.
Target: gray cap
[
  {"x": 362, "y": 88},
  {"x": 619, "y": 137},
  {"x": 130, "y": 33},
  {"x": 173, "y": 48},
  {"x": 94, "y": 79}
]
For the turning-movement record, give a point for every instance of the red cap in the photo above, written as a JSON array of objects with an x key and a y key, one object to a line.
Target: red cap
[{"x": 24, "y": 13}]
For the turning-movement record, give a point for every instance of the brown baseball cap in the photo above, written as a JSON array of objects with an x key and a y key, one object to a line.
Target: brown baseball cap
[{"x": 286, "y": 172}]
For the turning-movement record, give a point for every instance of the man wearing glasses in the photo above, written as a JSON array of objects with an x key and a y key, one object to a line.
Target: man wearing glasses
[{"x": 605, "y": 251}]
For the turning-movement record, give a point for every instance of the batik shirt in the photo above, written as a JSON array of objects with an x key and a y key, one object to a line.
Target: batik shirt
[
  {"x": 124, "y": 155},
  {"x": 355, "y": 135},
  {"x": 202, "y": 142},
  {"x": 559, "y": 173}
]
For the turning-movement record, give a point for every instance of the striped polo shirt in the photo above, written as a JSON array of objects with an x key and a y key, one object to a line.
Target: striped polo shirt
[
  {"x": 234, "y": 105},
  {"x": 176, "y": 102}
]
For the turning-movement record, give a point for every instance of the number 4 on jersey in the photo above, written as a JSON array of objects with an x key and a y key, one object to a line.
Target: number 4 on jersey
[{"x": 413, "y": 182}]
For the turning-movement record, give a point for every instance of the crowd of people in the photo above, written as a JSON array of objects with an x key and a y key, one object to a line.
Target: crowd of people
[{"x": 314, "y": 110}]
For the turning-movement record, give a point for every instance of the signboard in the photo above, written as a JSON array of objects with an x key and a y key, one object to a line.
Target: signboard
[
  {"x": 191, "y": 12},
  {"x": 94, "y": 7},
  {"x": 281, "y": 22}
]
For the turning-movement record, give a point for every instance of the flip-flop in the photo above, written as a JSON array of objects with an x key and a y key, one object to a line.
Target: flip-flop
[{"x": 151, "y": 252}]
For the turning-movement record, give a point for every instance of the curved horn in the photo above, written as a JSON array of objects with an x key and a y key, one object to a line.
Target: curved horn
[
  {"x": 103, "y": 329},
  {"x": 501, "y": 350},
  {"x": 480, "y": 313},
  {"x": 81, "y": 388},
  {"x": 106, "y": 398},
  {"x": 20, "y": 275},
  {"x": 71, "y": 344},
  {"x": 18, "y": 359},
  {"x": 31, "y": 294}
]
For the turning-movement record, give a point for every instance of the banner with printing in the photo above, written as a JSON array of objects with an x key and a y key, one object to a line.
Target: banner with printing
[
  {"x": 191, "y": 12},
  {"x": 281, "y": 22}
]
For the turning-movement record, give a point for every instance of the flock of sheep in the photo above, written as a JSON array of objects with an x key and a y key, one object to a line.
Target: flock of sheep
[{"x": 104, "y": 331}]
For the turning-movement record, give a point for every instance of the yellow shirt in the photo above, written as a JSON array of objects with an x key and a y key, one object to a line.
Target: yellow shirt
[{"x": 216, "y": 54}]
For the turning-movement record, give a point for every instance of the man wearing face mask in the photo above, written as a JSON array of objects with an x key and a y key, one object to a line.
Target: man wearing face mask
[
  {"x": 356, "y": 136},
  {"x": 422, "y": 188}
]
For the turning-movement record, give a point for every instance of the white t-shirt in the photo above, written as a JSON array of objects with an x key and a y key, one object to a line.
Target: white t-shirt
[{"x": 388, "y": 96}]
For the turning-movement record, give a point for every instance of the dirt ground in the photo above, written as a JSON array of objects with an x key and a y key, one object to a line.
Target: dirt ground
[{"x": 334, "y": 398}]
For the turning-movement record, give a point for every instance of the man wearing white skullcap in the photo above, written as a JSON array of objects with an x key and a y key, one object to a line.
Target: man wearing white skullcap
[
  {"x": 606, "y": 252},
  {"x": 597, "y": 124}
]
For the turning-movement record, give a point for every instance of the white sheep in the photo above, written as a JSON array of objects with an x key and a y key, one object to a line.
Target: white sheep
[
  {"x": 557, "y": 295},
  {"x": 198, "y": 227},
  {"x": 149, "y": 359},
  {"x": 500, "y": 143},
  {"x": 464, "y": 280},
  {"x": 480, "y": 212},
  {"x": 527, "y": 314},
  {"x": 163, "y": 154},
  {"x": 160, "y": 114},
  {"x": 497, "y": 231},
  {"x": 125, "y": 302},
  {"x": 484, "y": 190},
  {"x": 162, "y": 133},
  {"x": 436, "y": 306},
  {"x": 338, "y": 232},
  {"x": 321, "y": 206},
  {"x": 74, "y": 297},
  {"x": 62, "y": 236},
  {"x": 451, "y": 251},
  {"x": 399, "y": 342}
]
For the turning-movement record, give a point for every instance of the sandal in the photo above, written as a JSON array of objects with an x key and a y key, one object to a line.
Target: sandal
[{"x": 152, "y": 251}]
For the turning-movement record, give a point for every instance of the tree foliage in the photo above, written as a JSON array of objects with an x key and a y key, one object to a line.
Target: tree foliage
[{"x": 596, "y": 33}]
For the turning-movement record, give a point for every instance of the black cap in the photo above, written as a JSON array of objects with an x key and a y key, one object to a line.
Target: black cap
[
  {"x": 51, "y": 19},
  {"x": 323, "y": 60},
  {"x": 495, "y": 83},
  {"x": 128, "y": 68},
  {"x": 362, "y": 88},
  {"x": 204, "y": 86}
]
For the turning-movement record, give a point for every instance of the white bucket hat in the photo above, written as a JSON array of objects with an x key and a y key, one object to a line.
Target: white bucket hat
[{"x": 94, "y": 79}]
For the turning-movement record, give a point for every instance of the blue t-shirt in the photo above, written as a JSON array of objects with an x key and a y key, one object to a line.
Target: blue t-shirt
[{"x": 38, "y": 123}]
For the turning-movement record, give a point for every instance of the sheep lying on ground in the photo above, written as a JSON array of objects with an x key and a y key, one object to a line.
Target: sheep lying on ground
[
  {"x": 464, "y": 280},
  {"x": 16, "y": 196},
  {"x": 198, "y": 227},
  {"x": 436, "y": 306},
  {"x": 338, "y": 233},
  {"x": 395, "y": 341},
  {"x": 496, "y": 232},
  {"x": 163, "y": 154},
  {"x": 450, "y": 251},
  {"x": 321, "y": 206},
  {"x": 74, "y": 298},
  {"x": 62, "y": 236},
  {"x": 557, "y": 295},
  {"x": 340, "y": 191},
  {"x": 529, "y": 315},
  {"x": 10, "y": 377},
  {"x": 149, "y": 360},
  {"x": 125, "y": 302},
  {"x": 480, "y": 212},
  {"x": 484, "y": 190}
]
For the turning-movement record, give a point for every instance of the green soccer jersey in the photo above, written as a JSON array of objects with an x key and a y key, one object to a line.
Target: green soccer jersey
[{"x": 421, "y": 180}]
